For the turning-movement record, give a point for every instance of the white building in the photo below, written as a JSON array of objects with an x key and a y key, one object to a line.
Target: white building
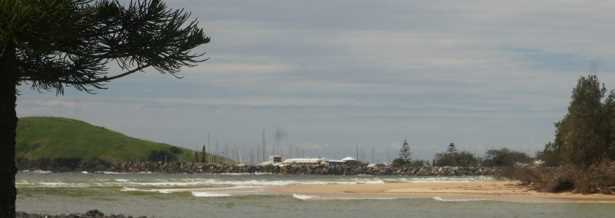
[
  {"x": 304, "y": 161},
  {"x": 273, "y": 160},
  {"x": 348, "y": 159}
]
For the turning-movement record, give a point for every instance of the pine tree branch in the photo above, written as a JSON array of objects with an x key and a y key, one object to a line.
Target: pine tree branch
[{"x": 106, "y": 78}]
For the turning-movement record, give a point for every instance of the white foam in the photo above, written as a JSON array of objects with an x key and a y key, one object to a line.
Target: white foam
[
  {"x": 248, "y": 183},
  {"x": 161, "y": 191},
  {"x": 37, "y": 171},
  {"x": 305, "y": 197},
  {"x": 110, "y": 172},
  {"x": 203, "y": 182},
  {"x": 62, "y": 185},
  {"x": 235, "y": 174},
  {"x": 210, "y": 194},
  {"x": 363, "y": 198},
  {"x": 23, "y": 182},
  {"x": 129, "y": 189},
  {"x": 213, "y": 184},
  {"x": 437, "y": 198},
  {"x": 438, "y": 179},
  {"x": 166, "y": 191}
]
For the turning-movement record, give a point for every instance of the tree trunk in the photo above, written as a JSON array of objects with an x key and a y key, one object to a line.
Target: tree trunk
[{"x": 8, "y": 78}]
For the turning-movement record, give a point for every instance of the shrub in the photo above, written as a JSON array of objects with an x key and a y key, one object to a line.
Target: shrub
[
  {"x": 175, "y": 150},
  {"x": 505, "y": 158},
  {"x": 597, "y": 178},
  {"x": 461, "y": 159},
  {"x": 409, "y": 163},
  {"x": 161, "y": 155}
]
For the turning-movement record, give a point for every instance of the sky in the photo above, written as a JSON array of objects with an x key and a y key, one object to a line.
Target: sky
[{"x": 335, "y": 75}]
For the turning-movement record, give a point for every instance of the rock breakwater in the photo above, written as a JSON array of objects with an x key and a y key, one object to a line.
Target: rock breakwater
[{"x": 293, "y": 169}]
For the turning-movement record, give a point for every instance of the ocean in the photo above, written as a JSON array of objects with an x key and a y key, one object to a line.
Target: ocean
[{"x": 245, "y": 195}]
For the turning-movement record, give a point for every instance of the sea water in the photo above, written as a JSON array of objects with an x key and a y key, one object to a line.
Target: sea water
[{"x": 245, "y": 195}]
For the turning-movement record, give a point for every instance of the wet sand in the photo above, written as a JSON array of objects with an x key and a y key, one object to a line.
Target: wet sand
[{"x": 508, "y": 191}]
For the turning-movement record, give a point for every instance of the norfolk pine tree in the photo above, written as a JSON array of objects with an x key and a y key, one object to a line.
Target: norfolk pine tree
[
  {"x": 54, "y": 44},
  {"x": 404, "y": 152}
]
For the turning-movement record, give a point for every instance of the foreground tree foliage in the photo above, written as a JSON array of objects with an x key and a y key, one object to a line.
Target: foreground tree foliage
[
  {"x": 586, "y": 134},
  {"x": 581, "y": 158},
  {"x": 54, "y": 44},
  {"x": 597, "y": 178}
]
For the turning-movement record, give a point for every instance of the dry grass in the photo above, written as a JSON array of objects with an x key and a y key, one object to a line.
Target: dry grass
[{"x": 597, "y": 178}]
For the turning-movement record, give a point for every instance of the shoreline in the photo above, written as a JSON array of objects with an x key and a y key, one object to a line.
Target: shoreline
[
  {"x": 440, "y": 190},
  {"x": 453, "y": 191}
]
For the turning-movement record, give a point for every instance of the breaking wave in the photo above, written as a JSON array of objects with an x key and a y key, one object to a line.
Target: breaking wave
[
  {"x": 127, "y": 181},
  {"x": 189, "y": 182},
  {"x": 210, "y": 194},
  {"x": 305, "y": 197},
  {"x": 36, "y": 171},
  {"x": 437, "y": 198},
  {"x": 438, "y": 179}
]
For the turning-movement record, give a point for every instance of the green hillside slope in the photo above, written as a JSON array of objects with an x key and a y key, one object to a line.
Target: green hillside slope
[{"x": 53, "y": 137}]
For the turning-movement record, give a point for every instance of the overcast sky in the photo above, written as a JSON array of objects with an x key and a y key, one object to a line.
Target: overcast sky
[{"x": 336, "y": 74}]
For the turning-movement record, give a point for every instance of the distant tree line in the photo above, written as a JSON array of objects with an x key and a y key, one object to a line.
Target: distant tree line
[{"x": 451, "y": 157}]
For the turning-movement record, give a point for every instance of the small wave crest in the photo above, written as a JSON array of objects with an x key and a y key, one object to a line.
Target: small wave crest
[
  {"x": 110, "y": 172},
  {"x": 36, "y": 171},
  {"x": 161, "y": 191},
  {"x": 431, "y": 179},
  {"x": 305, "y": 197},
  {"x": 243, "y": 183},
  {"x": 438, "y": 198},
  {"x": 209, "y": 194}
]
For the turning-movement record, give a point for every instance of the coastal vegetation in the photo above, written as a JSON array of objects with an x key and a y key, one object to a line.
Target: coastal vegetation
[
  {"x": 55, "y": 137},
  {"x": 581, "y": 158},
  {"x": 505, "y": 157},
  {"x": 452, "y": 157},
  {"x": 68, "y": 144},
  {"x": 499, "y": 158},
  {"x": 63, "y": 144},
  {"x": 405, "y": 158}
]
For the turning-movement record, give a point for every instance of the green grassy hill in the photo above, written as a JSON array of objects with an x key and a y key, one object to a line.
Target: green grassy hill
[{"x": 53, "y": 137}]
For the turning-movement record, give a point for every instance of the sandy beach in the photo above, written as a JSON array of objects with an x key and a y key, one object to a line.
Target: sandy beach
[{"x": 508, "y": 191}]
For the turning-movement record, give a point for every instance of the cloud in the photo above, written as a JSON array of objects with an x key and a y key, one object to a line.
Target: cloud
[
  {"x": 481, "y": 73},
  {"x": 552, "y": 61},
  {"x": 230, "y": 69}
]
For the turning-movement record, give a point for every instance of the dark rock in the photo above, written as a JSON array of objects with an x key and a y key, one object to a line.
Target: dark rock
[
  {"x": 89, "y": 214},
  {"x": 94, "y": 214}
]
